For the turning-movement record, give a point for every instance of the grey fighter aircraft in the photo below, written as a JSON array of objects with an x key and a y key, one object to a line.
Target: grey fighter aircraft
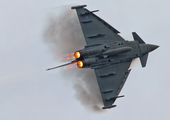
[{"x": 108, "y": 54}]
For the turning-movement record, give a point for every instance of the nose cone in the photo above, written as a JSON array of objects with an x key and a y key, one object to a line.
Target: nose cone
[{"x": 152, "y": 47}]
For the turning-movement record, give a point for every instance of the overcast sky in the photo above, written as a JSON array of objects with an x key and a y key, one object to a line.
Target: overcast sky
[{"x": 28, "y": 92}]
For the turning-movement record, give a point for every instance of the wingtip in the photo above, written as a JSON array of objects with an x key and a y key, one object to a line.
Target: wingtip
[
  {"x": 79, "y": 6},
  {"x": 108, "y": 107}
]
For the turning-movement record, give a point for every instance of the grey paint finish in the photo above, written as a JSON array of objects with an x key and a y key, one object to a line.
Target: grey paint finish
[
  {"x": 111, "y": 65},
  {"x": 95, "y": 29},
  {"x": 108, "y": 54},
  {"x": 112, "y": 81}
]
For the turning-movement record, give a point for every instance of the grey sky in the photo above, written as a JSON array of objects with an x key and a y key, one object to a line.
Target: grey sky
[{"x": 28, "y": 92}]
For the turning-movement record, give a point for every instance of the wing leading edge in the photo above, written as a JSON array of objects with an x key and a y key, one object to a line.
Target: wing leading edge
[
  {"x": 111, "y": 80},
  {"x": 95, "y": 29}
]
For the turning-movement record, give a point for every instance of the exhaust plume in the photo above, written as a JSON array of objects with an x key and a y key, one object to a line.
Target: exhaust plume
[{"x": 64, "y": 34}]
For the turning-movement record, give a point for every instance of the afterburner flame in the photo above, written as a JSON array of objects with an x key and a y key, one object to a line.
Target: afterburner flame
[
  {"x": 80, "y": 64},
  {"x": 77, "y": 54},
  {"x": 68, "y": 58}
]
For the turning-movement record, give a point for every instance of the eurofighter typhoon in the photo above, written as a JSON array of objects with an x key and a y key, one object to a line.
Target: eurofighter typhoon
[{"x": 108, "y": 54}]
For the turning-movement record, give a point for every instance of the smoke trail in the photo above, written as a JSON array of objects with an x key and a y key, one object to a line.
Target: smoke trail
[
  {"x": 88, "y": 90},
  {"x": 64, "y": 34}
]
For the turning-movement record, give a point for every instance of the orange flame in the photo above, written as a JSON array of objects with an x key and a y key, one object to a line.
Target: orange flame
[
  {"x": 68, "y": 56},
  {"x": 77, "y": 54},
  {"x": 70, "y": 67},
  {"x": 80, "y": 64}
]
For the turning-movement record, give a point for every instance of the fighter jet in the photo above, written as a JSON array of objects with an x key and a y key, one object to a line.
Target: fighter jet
[{"x": 108, "y": 54}]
